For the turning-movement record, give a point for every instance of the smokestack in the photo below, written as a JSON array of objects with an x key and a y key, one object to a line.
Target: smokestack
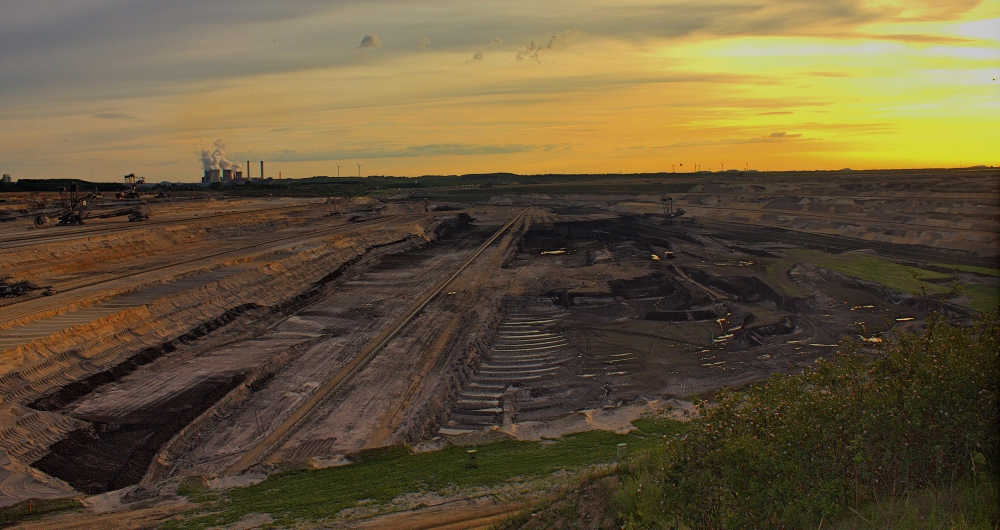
[
  {"x": 248, "y": 170},
  {"x": 261, "y": 170}
]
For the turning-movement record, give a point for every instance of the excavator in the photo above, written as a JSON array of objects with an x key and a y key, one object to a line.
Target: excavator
[
  {"x": 669, "y": 213},
  {"x": 131, "y": 190},
  {"x": 74, "y": 209}
]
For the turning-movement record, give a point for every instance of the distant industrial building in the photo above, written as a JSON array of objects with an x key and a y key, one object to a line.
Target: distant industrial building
[
  {"x": 6, "y": 179},
  {"x": 212, "y": 176},
  {"x": 223, "y": 176}
]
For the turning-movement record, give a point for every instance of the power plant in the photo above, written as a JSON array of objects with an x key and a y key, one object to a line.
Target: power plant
[
  {"x": 219, "y": 170},
  {"x": 224, "y": 176}
]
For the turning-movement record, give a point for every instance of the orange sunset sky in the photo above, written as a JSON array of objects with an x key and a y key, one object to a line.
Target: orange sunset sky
[{"x": 96, "y": 89}]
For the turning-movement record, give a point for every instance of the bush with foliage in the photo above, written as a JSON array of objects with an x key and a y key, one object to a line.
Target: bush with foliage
[{"x": 875, "y": 422}]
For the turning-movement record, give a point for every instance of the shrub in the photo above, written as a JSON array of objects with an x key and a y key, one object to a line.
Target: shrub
[{"x": 877, "y": 421}]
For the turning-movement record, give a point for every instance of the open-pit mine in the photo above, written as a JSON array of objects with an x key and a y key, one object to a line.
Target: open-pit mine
[{"x": 229, "y": 334}]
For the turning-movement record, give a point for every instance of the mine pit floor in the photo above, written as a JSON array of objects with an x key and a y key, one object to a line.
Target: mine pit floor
[{"x": 593, "y": 310}]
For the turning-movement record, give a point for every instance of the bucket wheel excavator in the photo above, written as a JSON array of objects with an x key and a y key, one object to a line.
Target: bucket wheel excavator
[
  {"x": 670, "y": 214},
  {"x": 74, "y": 209}
]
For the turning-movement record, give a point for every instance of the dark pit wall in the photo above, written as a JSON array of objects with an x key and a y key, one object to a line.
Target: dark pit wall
[
  {"x": 584, "y": 235},
  {"x": 449, "y": 225},
  {"x": 757, "y": 335},
  {"x": 748, "y": 289},
  {"x": 670, "y": 293},
  {"x": 116, "y": 452}
]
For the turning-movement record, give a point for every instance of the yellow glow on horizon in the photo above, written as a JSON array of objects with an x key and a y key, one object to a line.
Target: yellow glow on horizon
[{"x": 915, "y": 93}]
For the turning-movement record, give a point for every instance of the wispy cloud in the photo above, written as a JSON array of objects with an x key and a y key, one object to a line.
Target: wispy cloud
[
  {"x": 831, "y": 74},
  {"x": 478, "y": 55},
  {"x": 117, "y": 116},
  {"x": 677, "y": 73},
  {"x": 915, "y": 38},
  {"x": 767, "y": 138},
  {"x": 533, "y": 50},
  {"x": 450, "y": 149}
]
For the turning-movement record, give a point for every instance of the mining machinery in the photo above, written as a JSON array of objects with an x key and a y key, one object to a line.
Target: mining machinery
[
  {"x": 669, "y": 213},
  {"x": 131, "y": 190},
  {"x": 74, "y": 209}
]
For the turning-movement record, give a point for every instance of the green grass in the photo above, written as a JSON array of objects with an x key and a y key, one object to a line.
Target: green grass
[
  {"x": 777, "y": 272},
  {"x": 967, "y": 268},
  {"x": 35, "y": 509},
  {"x": 850, "y": 436},
  {"x": 196, "y": 489},
  {"x": 380, "y": 476},
  {"x": 870, "y": 268},
  {"x": 982, "y": 298},
  {"x": 968, "y": 505}
]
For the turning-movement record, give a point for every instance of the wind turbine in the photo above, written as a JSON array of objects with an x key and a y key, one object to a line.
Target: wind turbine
[
  {"x": 338, "y": 170},
  {"x": 359, "y": 170}
]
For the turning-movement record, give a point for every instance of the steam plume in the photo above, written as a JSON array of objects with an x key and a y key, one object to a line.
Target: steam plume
[{"x": 217, "y": 159}]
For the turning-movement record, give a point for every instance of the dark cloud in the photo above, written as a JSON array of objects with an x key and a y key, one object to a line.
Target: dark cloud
[
  {"x": 423, "y": 42},
  {"x": 108, "y": 50},
  {"x": 46, "y": 25},
  {"x": 478, "y": 56},
  {"x": 370, "y": 41}
]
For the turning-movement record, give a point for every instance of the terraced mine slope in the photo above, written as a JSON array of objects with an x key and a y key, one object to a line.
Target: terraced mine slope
[
  {"x": 133, "y": 314},
  {"x": 234, "y": 338}
]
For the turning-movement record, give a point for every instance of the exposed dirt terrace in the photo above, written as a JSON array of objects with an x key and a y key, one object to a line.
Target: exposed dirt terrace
[{"x": 251, "y": 335}]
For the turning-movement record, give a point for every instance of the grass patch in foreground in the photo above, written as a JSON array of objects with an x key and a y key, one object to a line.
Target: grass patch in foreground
[
  {"x": 36, "y": 508},
  {"x": 317, "y": 495},
  {"x": 986, "y": 271},
  {"x": 982, "y": 298},
  {"x": 965, "y": 506},
  {"x": 915, "y": 414}
]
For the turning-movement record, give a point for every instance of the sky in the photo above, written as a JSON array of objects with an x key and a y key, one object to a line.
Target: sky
[{"x": 96, "y": 89}]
